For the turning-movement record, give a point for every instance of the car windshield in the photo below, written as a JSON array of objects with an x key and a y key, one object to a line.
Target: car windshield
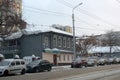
[
  {"x": 34, "y": 63},
  {"x": 4, "y": 63}
]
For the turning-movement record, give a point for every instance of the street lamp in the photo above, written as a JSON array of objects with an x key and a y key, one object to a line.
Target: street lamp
[{"x": 73, "y": 20}]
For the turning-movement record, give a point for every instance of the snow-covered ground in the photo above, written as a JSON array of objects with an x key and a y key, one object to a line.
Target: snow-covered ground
[
  {"x": 99, "y": 75},
  {"x": 56, "y": 68}
]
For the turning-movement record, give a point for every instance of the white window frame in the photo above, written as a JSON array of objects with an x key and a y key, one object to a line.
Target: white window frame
[
  {"x": 59, "y": 41},
  {"x": 46, "y": 42},
  {"x": 54, "y": 40},
  {"x": 68, "y": 42},
  {"x": 64, "y": 42}
]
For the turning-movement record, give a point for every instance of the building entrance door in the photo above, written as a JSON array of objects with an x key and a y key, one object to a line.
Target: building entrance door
[{"x": 55, "y": 59}]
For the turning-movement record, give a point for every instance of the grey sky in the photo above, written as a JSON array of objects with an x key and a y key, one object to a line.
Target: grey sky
[{"x": 92, "y": 17}]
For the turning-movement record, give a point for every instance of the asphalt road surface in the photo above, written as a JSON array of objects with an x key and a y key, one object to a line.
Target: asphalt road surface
[
  {"x": 67, "y": 74},
  {"x": 111, "y": 77},
  {"x": 97, "y": 75}
]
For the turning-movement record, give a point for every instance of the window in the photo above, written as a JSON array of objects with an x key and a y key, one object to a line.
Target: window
[
  {"x": 55, "y": 41},
  {"x": 45, "y": 61},
  {"x": 68, "y": 42},
  {"x": 72, "y": 57},
  {"x": 59, "y": 41},
  {"x": 22, "y": 62},
  {"x": 64, "y": 57},
  {"x": 59, "y": 57},
  {"x": 13, "y": 63},
  {"x": 18, "y": 7},
  {"x": 12, "y": 42},
  {"x": 0, "y": 2},
  {"x": 68, "y": 58},
  {"x": 17, "y": 62},
  {"x": 64, "y": 42},
  {"x": 46, "y": 42},
  {"x": 72, "y": 43}
]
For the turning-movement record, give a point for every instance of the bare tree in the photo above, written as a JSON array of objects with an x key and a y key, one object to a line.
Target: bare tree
[
  {"x": 85, "y": 43},
  {"x": 112, "y": 39},
  {"x": 9, "y": 19}
]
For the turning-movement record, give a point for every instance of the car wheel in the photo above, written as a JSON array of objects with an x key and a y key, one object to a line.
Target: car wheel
[
  {"x": 71, "y": 66},
  {"x": 49, "y": 68},
  {"x": 23, "y": 72},
  {"x": 85, "y": 65},
  {"x": 6, "y": 73}
]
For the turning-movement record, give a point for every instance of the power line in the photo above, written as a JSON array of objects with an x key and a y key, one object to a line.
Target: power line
[
  {"x": 118, "y": 1},
  {"x": 80, "y": 20},
  {"x": 42, "y": 10},
  {"x": 39, "y": 11},
  {"x": 44, "y": 13},
  {"x": 95, "y": 26},
  {"x": 91, "y": 29},
  {"x": 76, "y": 27},
  {"x": 87, "y": 13},
  {"x": 36, "y": 10}
]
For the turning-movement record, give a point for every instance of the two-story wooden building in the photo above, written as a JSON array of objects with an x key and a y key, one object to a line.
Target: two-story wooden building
[{"x": 47, "y": 43}]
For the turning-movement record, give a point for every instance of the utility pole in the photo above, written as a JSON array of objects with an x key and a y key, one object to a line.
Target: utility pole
[{"x": 73, "y": 20}]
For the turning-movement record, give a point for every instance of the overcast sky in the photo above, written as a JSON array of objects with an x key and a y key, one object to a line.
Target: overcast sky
[{"x": 92, "y": 17}]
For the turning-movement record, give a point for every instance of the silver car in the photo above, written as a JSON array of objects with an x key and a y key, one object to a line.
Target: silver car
[{"x": 12, "y": 66}]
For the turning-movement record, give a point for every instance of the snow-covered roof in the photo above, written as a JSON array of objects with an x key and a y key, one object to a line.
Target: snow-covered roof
[
  {"x": 14, "y": 35},
  {"x": 39, "y": 29},
  {"x": 35, "y": 30},
  {"x": 54, "y": 50},
  {"x": 31, "y": 30},
  {"x": 105, "y": 49}
]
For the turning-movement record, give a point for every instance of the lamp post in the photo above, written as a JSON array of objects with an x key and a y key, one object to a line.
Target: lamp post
[{"x": 73, "y": 20}]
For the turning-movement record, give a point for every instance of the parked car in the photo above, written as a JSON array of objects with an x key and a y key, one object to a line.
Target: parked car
[
  {"x": 39, "y": 65},
  {"x": 116, "y": 60},
  {"x": 102, "y": 61},
  {"x": 79, "y": 62},
  {"x": 110, "y": 60},
  {"x": 91, "y": 61},
  {"x": 12, "y": 66}
]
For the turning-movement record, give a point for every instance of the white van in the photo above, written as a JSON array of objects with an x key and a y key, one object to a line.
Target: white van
[
  {"x": 29, "y": 59},
  {"x": 12, "y": 66}
]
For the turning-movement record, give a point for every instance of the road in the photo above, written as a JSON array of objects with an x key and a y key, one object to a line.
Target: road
[
  {"x": 68, "y": 74},
  {"x": 108, "y": 74},
  {"x": 112, "y": 77}
]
